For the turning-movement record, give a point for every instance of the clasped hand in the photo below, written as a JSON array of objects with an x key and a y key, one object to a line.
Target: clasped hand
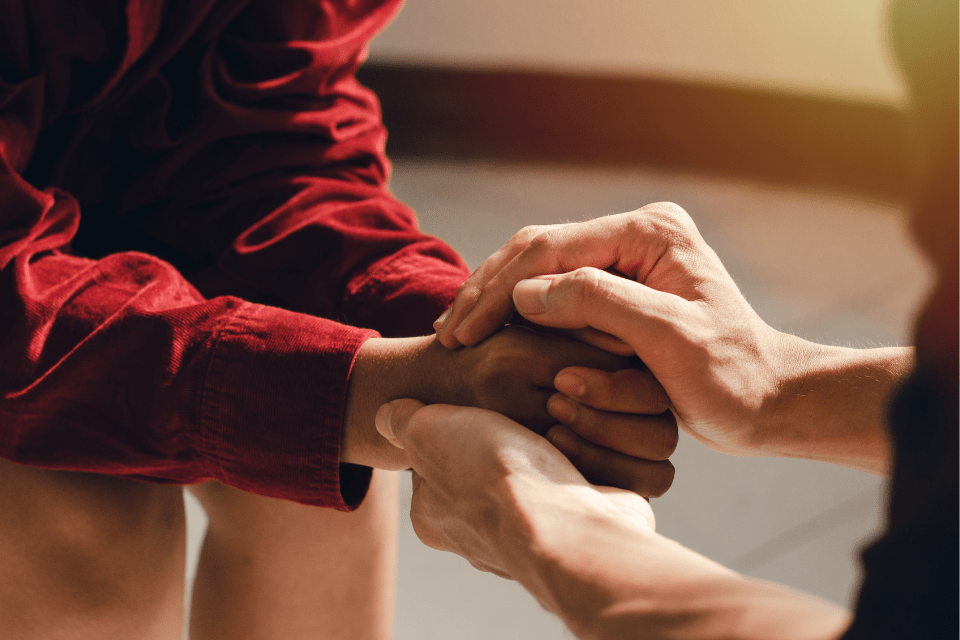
[
  {"x": 513, "y": 372},
  {"x": 488, "y": 489},
  {"x": 643, "y": 283}
]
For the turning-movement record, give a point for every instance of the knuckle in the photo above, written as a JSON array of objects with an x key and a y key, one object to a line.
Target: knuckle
[
  {"x": 669, "y": 221},
  {"x": 668, "y": 214},
  {"x": 586, "y": 284},
  {"x": 545, "y": 250},
  {"x": 542, "y": 243},
  {"x": 468, "y": 292},
  {"x": 547, "y": 242},
  {"x": 673, "y": 212},
  {"x": 527, "y": 234}
]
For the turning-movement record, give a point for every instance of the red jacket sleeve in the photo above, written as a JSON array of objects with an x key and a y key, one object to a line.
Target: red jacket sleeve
[
  {"x": 254, "y": 161},
  {"x": 240, "y": 149}
]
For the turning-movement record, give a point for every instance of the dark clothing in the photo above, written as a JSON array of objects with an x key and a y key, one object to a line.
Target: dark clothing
[{"x": 910, "y": 588}]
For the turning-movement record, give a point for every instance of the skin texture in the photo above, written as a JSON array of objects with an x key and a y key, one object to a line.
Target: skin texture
[
  {"x": 503, "y": 498},
  {"x": 92, "y": 556},
  {"x": 109, "y": 561},
  {"x": 648, "y": 280},
  {"x": 89, "y": 556},
  {"x": 276, "y": 569},
  {"x": 512, "y": 373}
]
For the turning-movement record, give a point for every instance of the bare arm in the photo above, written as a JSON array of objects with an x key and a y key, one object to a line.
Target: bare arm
[
  {"x": 734, "y": 382},
  {"x": 831, "y": 405},
  {"x": 503, "y": 498}
]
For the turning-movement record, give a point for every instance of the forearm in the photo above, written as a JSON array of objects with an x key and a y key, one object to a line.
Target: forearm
[
  {"x": 733, "y": 608},
  {"x": 831, "y": 404},
  {"x": 610, "y": 578}
]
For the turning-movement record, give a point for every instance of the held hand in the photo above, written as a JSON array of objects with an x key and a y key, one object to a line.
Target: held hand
[
  {"x": 485, "y": 487},
  {"x": 500, "y": 496},
  {"x": 513, "y": 372},
  {"x": 646, "y": 246},
  {"x": 615, "y": 410},
  {"x": 673, "y": 303}
]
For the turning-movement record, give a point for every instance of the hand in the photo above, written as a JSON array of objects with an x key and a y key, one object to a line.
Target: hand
[
  {"x": 672, "y": 302},
  {"x": 483, "y": 484},
  {"x": 500, "y": 496},
  {"x": 512, "y": 372},
  {"x": 648, "y": 279}
]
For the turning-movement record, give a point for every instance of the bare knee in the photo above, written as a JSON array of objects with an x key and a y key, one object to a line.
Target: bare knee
[
  {"x": 88, "y": 552},
  {"x": 272, "y": 568}
]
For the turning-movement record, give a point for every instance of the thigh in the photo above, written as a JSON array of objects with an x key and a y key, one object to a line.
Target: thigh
[
  {"x": 85, "y": 555},
  {"x": 276, "y": 569}
]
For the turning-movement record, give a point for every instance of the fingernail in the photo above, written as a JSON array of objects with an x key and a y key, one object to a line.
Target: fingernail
[
  {"x": 530, "y": 296},
  {"x": 570, "y": 384},
  {"x": 562, "y": 408},
  {"x": 438, "y": 323},
  {"x": 566, "y": 442},
  {"x": 384, "y": 414}
]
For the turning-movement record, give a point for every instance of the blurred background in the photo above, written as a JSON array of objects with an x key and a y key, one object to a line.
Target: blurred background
[{"x": 778, "y": 126}]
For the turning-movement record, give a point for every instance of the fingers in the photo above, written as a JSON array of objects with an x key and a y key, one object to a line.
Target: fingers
[
  {"x": 469, "y": 292},
  {"x": 559, "y": 353},
  {"x": 592, "y": 337},
  {"x": 513, "y": 372},
  {"x": 587, "y": 335},
  {"x": 625, "y": 391},
  {"x": 632, "y": 243},
  {"x": 588, "y": 297},
  {"x": 652, "y": 437},
  {"x": 602, "y": 466},
  {"x": 485, "y": 302},
  {"x": 600, "y": 340}
]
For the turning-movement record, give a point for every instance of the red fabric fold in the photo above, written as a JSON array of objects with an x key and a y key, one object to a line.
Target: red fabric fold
[{"x": 196, "y": 323}]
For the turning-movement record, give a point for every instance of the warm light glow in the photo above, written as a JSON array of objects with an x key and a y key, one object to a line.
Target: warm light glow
[{"x": 819, "y": 47}]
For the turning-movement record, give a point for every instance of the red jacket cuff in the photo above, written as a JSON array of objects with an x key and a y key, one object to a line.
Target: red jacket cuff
[{"x": 273, "y": 406}]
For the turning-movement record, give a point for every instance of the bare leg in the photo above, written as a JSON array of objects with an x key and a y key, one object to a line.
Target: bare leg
[
  {"x": 89, "y": 556},
  {"x": 272, "y": 569}
]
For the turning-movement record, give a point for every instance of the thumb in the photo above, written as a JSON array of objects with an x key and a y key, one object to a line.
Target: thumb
[
  {"x": 590, "y": 297},
  {"x": 393, "y": 418}
]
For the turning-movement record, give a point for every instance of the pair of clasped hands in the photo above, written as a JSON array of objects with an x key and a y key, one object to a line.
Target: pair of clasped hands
[
  {"x": 636, "y": 285},
  {"x": 668, "y": 341}
]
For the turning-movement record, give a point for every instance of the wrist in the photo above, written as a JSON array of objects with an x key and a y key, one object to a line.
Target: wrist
[
  {"x": 608, "y": 579},
  {"x": 619, "y": 581},
  {"x": 791, "y": 361},
  {"x": 575, "y": 554},
  {"x": 829, "y": 404},
  {"x": 385, "y": 369}
]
